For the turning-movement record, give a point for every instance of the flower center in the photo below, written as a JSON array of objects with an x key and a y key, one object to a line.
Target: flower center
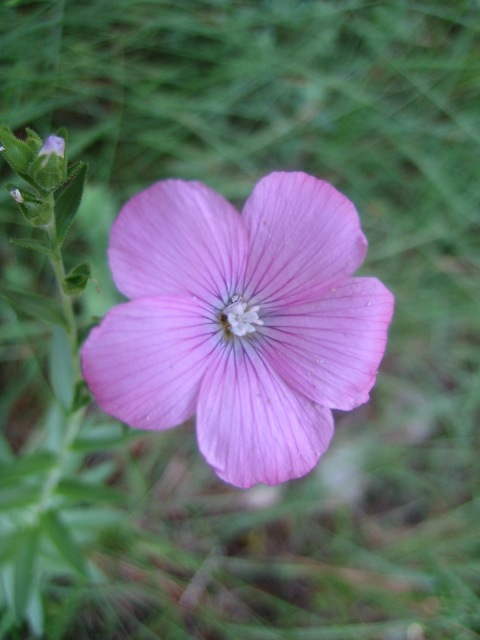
[{"x": 238, "y": 318}]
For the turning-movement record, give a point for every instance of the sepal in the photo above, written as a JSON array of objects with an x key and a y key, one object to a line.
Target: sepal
[
  {"x": 33, "y": 140},
  {"x": 17, "y": 153},
  {"x": 36, "y": 211},
  {"x": 49, "y": 168},
  {"x": 76, "y": 281}
]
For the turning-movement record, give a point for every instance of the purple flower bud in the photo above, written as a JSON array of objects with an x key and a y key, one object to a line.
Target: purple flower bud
[{"x": 53, "y": 144}]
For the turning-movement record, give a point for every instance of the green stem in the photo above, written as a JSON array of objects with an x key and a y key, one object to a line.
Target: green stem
[
  {"x": 53, "y": 479},
  {"x": 73, "y": 419},
  {"x": 66, "y": 300}
]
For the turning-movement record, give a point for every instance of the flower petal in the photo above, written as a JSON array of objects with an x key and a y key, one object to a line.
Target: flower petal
[
  {"x": 145, "y": 362},
  {"x": 330, "y": 349},
  {"x": 251, "y": 427},
  {"x": 304, "y": 236},
  {"x": 178, "y": 238}
]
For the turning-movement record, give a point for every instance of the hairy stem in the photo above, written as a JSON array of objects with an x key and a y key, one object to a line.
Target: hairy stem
[
  {"x": 65, "y": 299},
  {"x": 74, "y": 418}
]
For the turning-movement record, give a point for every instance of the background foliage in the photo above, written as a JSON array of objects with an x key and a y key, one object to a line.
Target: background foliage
[{"x": 380, "y": 98}]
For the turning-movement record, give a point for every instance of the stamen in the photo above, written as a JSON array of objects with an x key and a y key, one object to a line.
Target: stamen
[{"x": 239, "y": 318}]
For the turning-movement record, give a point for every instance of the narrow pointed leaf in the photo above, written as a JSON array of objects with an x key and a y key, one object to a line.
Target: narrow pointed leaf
[
  {"x": 8, "y": 542},
  {"x": 76, "y": 490},
  {"x": 103, "y": 437},
  {"x": 34, "y": 245},
  {"x": 67, "y": 204},
  {"x": 33, "y": 140},
  {"x": 32, "y": 305},
  {"x": 18, "y": 496},
  {"x": 24, "y": 570},
  {"x": 29, "y": 180},
  {"x": 64, "y": 542},
  {"x": 61, "y": 368},
  {"x": 35, "y": 614},
  {"x": 17, "y": 153},
  {"x": 36, "y": 213},
  {"x": 22, "y": 467},
  {"x": 63, "y": 133},
  {"x": 81, "y": 396}
]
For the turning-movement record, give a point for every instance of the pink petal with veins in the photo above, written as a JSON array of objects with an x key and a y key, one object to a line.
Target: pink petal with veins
[
  {"x": 252, "y": 427},
  {"x": 145, "y": 362}
]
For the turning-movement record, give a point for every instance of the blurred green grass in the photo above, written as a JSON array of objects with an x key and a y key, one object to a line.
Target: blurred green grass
[{"x": 383, "y": 100}]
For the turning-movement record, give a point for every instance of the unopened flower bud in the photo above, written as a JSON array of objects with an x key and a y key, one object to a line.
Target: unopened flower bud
[
  {"x": 53, "y": 144},
  {"x": 17, "y": 196},
  {"x": 49, "y": 168},
  {"x": 2, "y": 148}
]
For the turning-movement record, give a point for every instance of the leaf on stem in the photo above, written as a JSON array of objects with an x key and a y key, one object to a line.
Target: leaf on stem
[
  {"x": 33, "y": 306},
  {"x": 24, "y": 568},
  {"x": 81, "y": 396},
  {"x": 76, "y": 490},
  {"x": 23, "y": 467},
  {"x": 77, "y": 279},
  {"x": 61, "y": 368},
  {"x": 8, "y": 541},
  {"x": 102, "y": 437},
  {"x": 19, "y": 496},
  {"x": 67, "y": 203},
  {"x": 35, "y": 614},
  {"x": 63, "y": 540},
  {"x": 17, "y": 153},
  {"x": 34, "y": 245},
  {"x": 33, "y": 140}
]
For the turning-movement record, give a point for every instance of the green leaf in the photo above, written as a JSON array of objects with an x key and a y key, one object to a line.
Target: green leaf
[
  {"x": 63, "y": 133},
  {"x": 76, "y": 490},
  {"x": 87, "y": 522},
  {"x": 61, "y": 368},
  {"x": 35, "y": 245},
  {"x": 101, "y": 437},
  {"x": 22, "y": 467},
  {"x": 62, "y": 538},
  {"x": 36, "y": 213},
  {"x": 33, "y": 140},
  {"x": 33, "y": 306},
  {"x": 54, "y": 423},
  {"x": 98, "y": 474},
  {"x": 24, "y": 568},
  {"x": 17, "y": 153},
  {"x": 81, "y": 397},
  {"x": 77, "y": 279},
  {"x": 19, "y": 496},
  {"x": 66, "y": 206},
  {"x": 7, "y": 546},
  {"x": 35, "y": 614}
]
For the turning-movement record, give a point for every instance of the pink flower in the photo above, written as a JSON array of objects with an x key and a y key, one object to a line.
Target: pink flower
[{"x": 253, "y": 322}]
